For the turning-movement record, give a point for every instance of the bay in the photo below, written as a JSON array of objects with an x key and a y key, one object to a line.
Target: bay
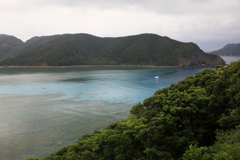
[
  {"x": 229, "y": 59},
  {"x": 43, "y": 110}
]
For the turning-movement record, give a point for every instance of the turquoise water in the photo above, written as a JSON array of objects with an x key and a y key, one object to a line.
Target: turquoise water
[
  {"x": 90, "y": 83},
  {"x": 230, "y": 59},
  {"x": 43, "y": 110}
]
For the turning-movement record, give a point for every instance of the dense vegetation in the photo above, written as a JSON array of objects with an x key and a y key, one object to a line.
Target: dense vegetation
[
  {"x": 197, "y": 118},
  {"x": 229, "y": 50},
  {"x": 7, "y": 45},
  {"x": 84, "y": 49}
]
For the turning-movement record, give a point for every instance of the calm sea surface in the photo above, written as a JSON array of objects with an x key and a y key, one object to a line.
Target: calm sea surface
[
  {"x": 230, "y": 59},
  {"x": 43, "y": 110}
]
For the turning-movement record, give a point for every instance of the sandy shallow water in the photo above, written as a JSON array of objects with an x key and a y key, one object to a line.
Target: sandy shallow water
[{"x": 37, "y": 125}]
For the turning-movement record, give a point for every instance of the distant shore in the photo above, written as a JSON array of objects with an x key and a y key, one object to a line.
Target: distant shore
[
  {"x": 229, "y": 56},
  {"x": 75, "y": 66}
]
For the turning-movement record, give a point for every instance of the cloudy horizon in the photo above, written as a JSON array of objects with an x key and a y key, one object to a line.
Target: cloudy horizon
[{"x": 211, "y": 24}]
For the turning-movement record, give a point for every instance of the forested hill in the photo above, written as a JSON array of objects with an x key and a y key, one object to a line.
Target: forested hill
[
  {"x": 85, "y": 49},
  {"x": 7, "y": 45},
  {"x": 195, "y": 119},
  {"x": 228, "y": 50}
]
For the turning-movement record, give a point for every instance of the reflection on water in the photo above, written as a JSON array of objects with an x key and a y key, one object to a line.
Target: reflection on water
[{"x": 42, "y": 110}]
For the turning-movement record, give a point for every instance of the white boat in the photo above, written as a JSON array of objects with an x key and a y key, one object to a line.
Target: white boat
[{"x": 156, "y": 77}]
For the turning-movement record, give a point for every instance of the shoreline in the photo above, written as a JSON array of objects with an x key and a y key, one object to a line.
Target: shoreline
[
  {"x": 117, "y": 66},
  {"x": 76, "y": 66},
  {"x": 229, "y": 56}
]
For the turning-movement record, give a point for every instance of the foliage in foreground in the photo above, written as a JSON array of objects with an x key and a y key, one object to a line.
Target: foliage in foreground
[
  {"x": 227, "y": 147},
  {"x": 197, "y": 118}
]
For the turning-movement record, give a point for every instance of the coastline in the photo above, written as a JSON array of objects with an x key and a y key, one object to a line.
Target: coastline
[
  {"x": 76, "y": 66},
  {"x": 229, "y": 56}
]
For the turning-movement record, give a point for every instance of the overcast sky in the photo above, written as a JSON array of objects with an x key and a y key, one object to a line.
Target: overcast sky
[{"x": 211, "y": 24}]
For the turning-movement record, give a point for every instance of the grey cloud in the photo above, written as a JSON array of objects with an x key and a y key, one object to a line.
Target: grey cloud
[
  {"x": 159, "y": 6},
  {"x": 209, "y": 23}
]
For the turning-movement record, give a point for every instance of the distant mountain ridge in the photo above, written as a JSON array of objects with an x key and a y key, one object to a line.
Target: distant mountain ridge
[
  {"x": 8, "y": 44},
  {"x": 228, "y": 50},
  {"x": 85, "y": 49}
]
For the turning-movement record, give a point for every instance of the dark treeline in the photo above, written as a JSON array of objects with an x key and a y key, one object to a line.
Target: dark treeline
[
  {"x": 85, "y": 49},
  {"x": 196, "y": 119}
]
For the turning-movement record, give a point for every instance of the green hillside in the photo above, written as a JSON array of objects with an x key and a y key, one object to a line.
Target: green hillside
[
  {"x": 195, "y": 119},
  {"x": 84, "y": 49},
  {"x": 228, "y": 50},
  {"x": 7, "y": 45}
]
